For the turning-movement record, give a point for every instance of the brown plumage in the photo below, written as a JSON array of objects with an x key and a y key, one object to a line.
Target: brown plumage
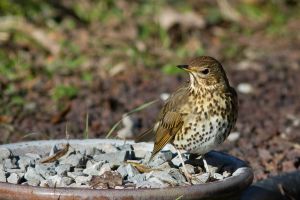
[{"x": 200, "y": 116}]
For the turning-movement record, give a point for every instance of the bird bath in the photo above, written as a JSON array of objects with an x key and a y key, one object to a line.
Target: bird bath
[{"x": 227, "y": 188}]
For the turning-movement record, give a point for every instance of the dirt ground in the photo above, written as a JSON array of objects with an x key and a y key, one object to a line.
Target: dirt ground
[{"x": 106, "y": 65}]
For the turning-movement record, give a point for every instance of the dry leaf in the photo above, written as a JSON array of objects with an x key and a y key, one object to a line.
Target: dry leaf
[{"x": 57, "y": 155}]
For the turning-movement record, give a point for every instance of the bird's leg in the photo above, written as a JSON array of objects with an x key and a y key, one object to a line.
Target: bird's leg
[{"x": 186, "y": 174}]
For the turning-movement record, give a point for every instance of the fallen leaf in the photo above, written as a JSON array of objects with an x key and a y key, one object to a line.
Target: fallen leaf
[{"x": 57, "y": 155}]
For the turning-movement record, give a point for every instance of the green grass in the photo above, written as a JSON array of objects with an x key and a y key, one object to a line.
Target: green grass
[{"x": 64, "y": 92}]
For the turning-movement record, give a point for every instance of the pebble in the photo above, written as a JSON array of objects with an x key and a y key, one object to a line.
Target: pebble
[
  {"x": 233, "y": 136},
  {"x": 190, "y": 168},
  {"x": 33, "y": 182},
  {"x": 131, "y": 171},
  {"x": 201, "y": 178},
  {"x": 218, "y": 176},
  {"x": 175, "y": 173},
  {"x": 75, "y": 174},
  {"x": 44, "y": 183},
  {"x": 90, "y": 151},
  {"x": 91, "y": 163},
  {"x": 9, "y": 164},
  {"x": 2, "y": 176},
  {"x": 14, "y": 178},
  {"x": 62, "y": 170},
  {"x": 104, "y": 168},
  {"x": 140, "y": 154},
  {"x": 245, "y": 88},
  {"x": 165, "y": 177},
  {"x": 25, "y": 161},
  {"x": 118, "y": 157},
  {"x": 157, "y": 183},
  {"x": 164, "y": 166},
  {"x": 4, "y": 153},
  {"x": 161, "y": 158},
  {"x": 137, "y": 178},
  {"x": 177, "y": 162},
  {"x": 75, "y": 160},
  {"x": 212, "y": 169},
  {"x": 77, "y": 169},
  {"x": 45, "y": 170},
  {"x": 32, "y": 177},
  {"x": 164, "y": 96},
  {"x": 93, "y": 169},
  {"x": 122, "y": 170},
  {"x": 226, "y": 174},
  {"x": 83, "y": 179},
  {"x": 59, "y": 181}
]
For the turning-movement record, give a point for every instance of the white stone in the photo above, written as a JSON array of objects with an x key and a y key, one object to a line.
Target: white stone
[
  {"x": 83, "y": 179},
  {"x": 33, "y": 177},
  {"x": 104, "y": 168},
  {"x": 245, "y": 88},
  {"x": 164, "y": 96},
  {"x": 218, "y": 176},
  {"x": 14, "y": 178},
  {"x": 63, "y": 169},
  {"x": 233, "y": 136},
  {"x": 4, "y": 153},
  {"x": 131, "y": 171},
  {"x": 201, "y": 178},
  {"x": 2, "y": 176}
]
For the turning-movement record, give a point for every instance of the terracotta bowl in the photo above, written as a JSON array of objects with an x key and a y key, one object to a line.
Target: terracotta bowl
[{"x": 229, "y": 188}]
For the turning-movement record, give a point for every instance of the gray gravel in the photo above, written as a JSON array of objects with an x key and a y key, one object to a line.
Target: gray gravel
[
  {"x": 4, "y": 153},
  {"x": 79, "y": 167}
]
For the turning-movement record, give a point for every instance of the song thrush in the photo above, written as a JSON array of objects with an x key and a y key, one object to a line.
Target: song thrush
[{"x": 199, "y": 117}]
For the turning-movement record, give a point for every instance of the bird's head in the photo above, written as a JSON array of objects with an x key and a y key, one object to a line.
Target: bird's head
[{"x": 205, "y": 72}]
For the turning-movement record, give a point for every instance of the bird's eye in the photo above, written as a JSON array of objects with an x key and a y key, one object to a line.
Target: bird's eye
[{"x": 205, "y": 71}]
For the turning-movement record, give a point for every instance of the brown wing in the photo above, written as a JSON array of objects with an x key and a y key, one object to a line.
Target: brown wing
[
  {"x": 166, "y": 130},
  {"x": 169, "y": 120},
  {"x": 172, "y": 104}
]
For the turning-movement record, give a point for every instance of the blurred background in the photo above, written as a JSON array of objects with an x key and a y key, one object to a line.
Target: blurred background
[{"x": 64, "y": 60}]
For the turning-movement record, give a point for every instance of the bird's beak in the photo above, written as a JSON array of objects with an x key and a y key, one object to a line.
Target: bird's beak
[{"x": 184, "y": 67}]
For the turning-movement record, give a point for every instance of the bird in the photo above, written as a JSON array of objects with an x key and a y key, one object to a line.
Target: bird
[{"x": 198, "y": 116}]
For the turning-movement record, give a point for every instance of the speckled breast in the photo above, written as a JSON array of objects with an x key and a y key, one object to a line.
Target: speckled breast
[{"x": 207, "y": 124}]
